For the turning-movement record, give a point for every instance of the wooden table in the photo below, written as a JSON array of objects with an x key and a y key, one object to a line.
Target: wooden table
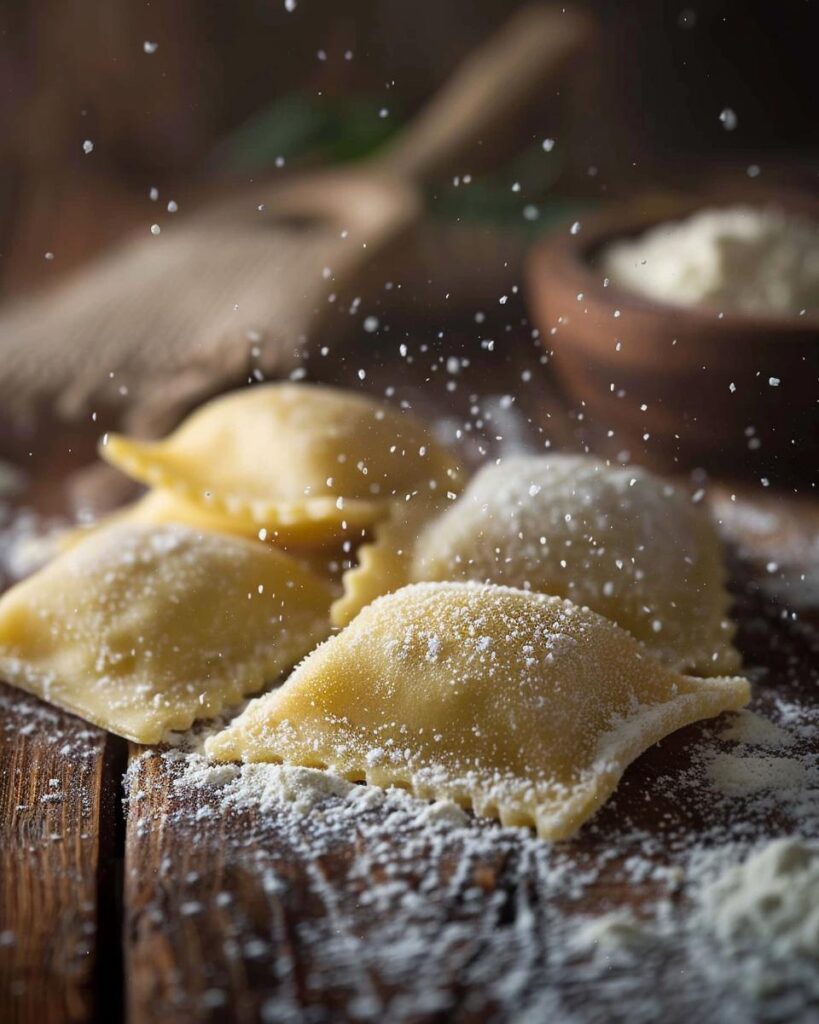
[{"x": 165, "y": 907}]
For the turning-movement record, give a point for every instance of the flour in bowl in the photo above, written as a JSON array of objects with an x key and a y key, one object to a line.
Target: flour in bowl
[{"x": 740, "y": 258}]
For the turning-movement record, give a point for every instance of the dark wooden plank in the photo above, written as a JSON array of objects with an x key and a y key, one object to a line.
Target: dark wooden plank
[{"x": 58, "y": 780}]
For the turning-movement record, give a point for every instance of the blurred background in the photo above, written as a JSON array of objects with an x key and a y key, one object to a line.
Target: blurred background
[
  {"x": 200, "y": 96},
  {"x": 122, "y": 120}
]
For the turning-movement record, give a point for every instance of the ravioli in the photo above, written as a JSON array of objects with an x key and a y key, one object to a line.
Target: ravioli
[
  {"x": 525, "y": 707},
  {"x": 144, "y": 629},
  {"x": 618, "y": 539},
  {"x": 303, "y": 460},
  {"x": 161, "y": 508},
  {"x": 385, "y": 563}
]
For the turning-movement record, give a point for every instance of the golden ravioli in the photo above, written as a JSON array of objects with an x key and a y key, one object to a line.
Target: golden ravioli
[
  {"x": 161, "y": 508},
  {"x": 526, "y": 707},
  {"x": 385, "y": 563},
  {"x": 616, "y": 538},
  {"x": 144, "y": 629},
  {"x": 302, "y": 460}
]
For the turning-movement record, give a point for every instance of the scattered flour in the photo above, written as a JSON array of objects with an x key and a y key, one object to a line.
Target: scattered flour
[
  {"x": 752, "y": 730},
  {"x": 752, "y": 924},
  {"x": 736, "y": 775},
  {"x": 770, "y": 901},
  {"x": 764, "y": 913},
  {"x": 266, "y": 787},
  {"x": 617, "y": 933},
  {"x": 26, "y": 541}
]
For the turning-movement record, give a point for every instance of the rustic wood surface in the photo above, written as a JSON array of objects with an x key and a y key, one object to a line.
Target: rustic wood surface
[
  {"x": 59, "y": 780},
  {"x": 232, "y": 915}
]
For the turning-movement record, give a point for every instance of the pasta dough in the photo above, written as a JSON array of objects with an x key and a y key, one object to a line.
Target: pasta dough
[
  {"x": 301, "y": 460},
  {"x": 384, "y": 564},
  {"x": 526, "y": 707},
  {"x": 144, "y": 629},
  {"x": 161, "y": 508},
  {"x": 618, "y": 539}
]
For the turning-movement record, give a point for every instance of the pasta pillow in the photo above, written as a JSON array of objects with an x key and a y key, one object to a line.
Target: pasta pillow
[
  {"x": 161, "y": 508},
  {"x": 384, "y": 563},
  {"x": 303, "y": 461},
  {"x": 144, "y": 629},
  {"x": 525, "y": 707},
  {"x": 618, "y": 539}
]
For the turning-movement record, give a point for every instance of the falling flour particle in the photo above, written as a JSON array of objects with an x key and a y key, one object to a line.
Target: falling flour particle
[{"x": 88, "y": 147}]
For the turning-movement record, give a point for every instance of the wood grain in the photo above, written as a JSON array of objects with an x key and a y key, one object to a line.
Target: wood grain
[{"x": 58, "y": 785}]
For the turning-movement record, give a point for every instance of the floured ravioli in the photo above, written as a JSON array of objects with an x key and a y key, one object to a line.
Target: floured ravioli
[
  {"x": 525, "y": 707},
  {"x": 385, "y": 563},
  {"x": 303, "y": 460},
  {"x": 162, "y": 508},
  {"x": 144, "y": 629},
  {"x": 618, "y": 539}
]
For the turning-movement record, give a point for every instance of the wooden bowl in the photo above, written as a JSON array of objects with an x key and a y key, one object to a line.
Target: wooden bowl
[{"x": 677, "y": 388}]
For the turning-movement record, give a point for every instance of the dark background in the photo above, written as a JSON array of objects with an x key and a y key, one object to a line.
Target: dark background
[{"x": 234, "y": 84}]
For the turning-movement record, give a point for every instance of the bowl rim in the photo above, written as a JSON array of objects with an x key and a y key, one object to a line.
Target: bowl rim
[{"x": 571, "y": 256}]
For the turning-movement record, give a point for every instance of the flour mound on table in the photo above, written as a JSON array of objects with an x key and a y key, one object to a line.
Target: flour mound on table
[
  {"x": 767, "y": 908},
  {"x": 27, "y": 540},
  {"x": 749, "y": 925},
  {"x": 617, "y": 934},
  {"x": 752, "y": 730},
  {"x": 742, "y": 775},
  {"x": 771, "y": 898},
  {"x": 266, "y": 787}
]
